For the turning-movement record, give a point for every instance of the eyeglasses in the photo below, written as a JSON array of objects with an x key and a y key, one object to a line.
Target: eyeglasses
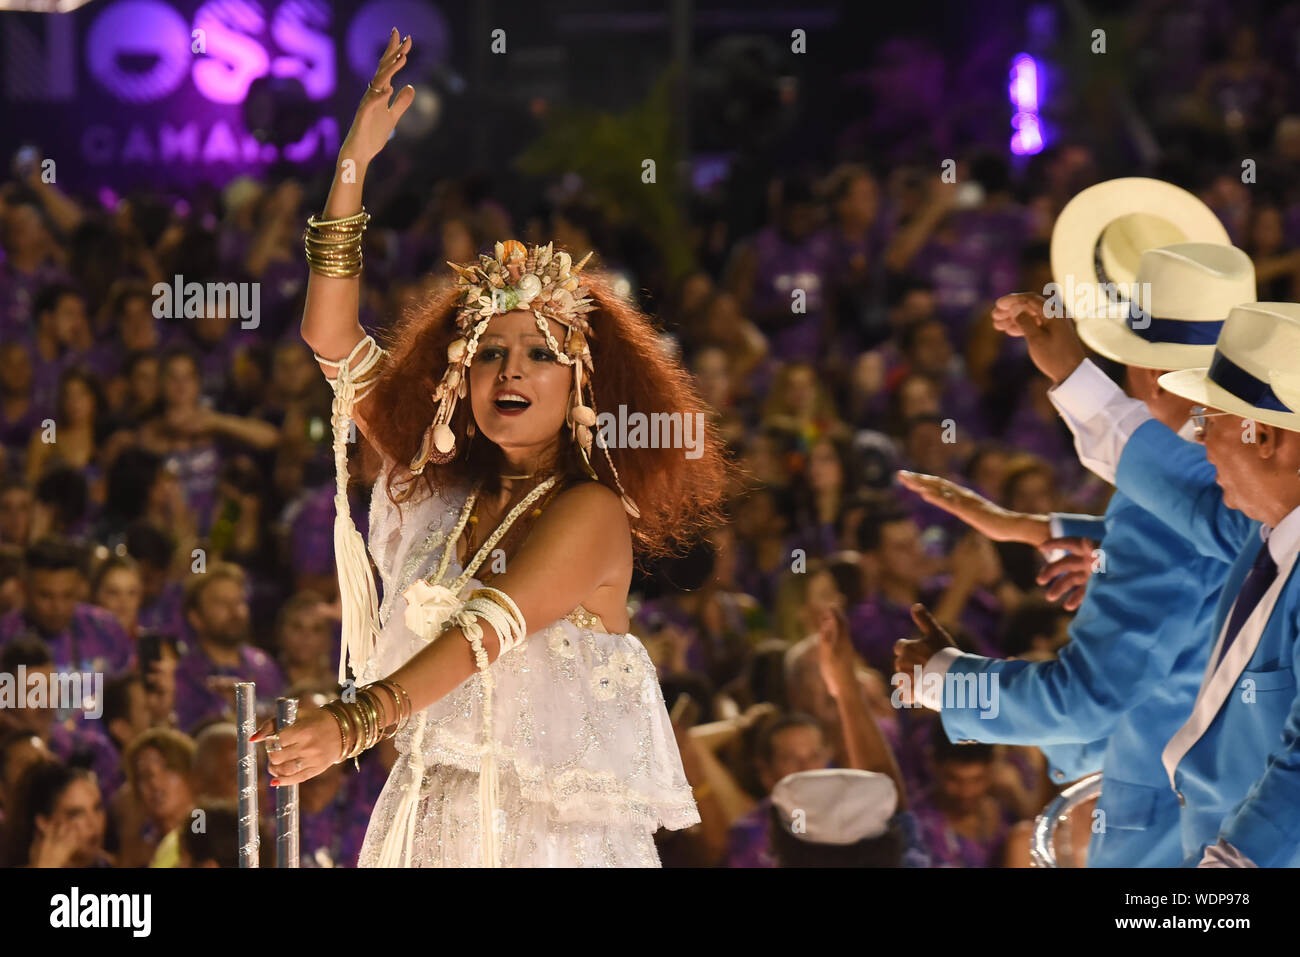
[{"x": 1199, "y": 414}]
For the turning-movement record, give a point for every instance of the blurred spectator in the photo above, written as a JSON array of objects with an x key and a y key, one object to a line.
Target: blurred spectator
[
  {"x": 304, "y": 640},
  {"x": 216, "y": 844},
  {"x": 216, "y": 608},
  {"x": 66, "y": 729},
  {"x": 58, "y": 819},
  {"x": 159, "y": 766},
  {"x": 787, "y": 744},
  {"x": 961, "y": 823},
  {"x": 80, "y": 636},
  {"x": 161, "y": 595},
  {"x": 782, "y": 276}
]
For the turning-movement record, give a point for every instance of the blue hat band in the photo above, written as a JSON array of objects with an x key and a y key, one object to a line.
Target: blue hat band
[{"x": 1250, "y": 389}]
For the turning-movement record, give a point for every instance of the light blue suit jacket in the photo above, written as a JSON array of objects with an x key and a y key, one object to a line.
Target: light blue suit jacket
[
  {"x": 1128, "y": 676},
  {"x": 1241, "y": 780}
]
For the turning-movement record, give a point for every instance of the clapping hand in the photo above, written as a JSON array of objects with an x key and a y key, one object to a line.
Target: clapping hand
[
  {"x": 911, "y": 653},
  {"x": 1054, "y": 345},
  {"x": 1067, "y": 577}
]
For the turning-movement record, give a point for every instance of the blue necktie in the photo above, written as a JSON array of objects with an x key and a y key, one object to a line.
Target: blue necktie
[{"x": 1262, "y": 574}]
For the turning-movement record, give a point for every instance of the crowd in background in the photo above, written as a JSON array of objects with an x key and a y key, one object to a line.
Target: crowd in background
[{"x": 166, "y": 499}]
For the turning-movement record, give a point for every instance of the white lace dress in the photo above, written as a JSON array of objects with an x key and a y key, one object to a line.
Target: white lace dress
[{"x": 588, "y": 768}]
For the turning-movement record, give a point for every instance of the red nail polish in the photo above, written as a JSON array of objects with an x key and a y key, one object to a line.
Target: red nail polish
[{"x": 275, "y": 782}]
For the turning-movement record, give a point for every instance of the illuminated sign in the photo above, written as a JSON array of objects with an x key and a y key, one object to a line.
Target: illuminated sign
[{"x": 163, "y": 84}]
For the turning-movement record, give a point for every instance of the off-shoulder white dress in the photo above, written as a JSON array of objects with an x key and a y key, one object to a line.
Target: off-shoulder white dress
[{"x": 588, "y": 768}]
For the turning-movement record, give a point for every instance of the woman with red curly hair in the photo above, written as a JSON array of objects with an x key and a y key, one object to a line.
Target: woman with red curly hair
[{"x": 505, "y": 522}]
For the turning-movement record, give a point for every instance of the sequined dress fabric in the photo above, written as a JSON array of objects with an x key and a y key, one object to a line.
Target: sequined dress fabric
[{"x": 588, "y": 768}]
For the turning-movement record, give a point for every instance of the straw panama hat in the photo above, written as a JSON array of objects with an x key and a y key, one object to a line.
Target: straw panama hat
[
  {"x": 1259, "y": 344},
  {"x": 1101, "y": 233},
  {"x": 1286, "y": 383},
  {"x": 1184, "y": 292}
]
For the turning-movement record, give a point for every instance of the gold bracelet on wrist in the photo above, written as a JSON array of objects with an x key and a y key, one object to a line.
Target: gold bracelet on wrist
[
  {"x": 343, "y": 738},
  {"x": 398, "y": 717},
  {"x": 344, "y": 725},
  {"x": 333, "y": 246},
  {"x": 367, "y": 723},
  {"x": 345, "y": 222},
  {"x": 366, "y": 701},
  {"x": 399, "y": 694},
  {"x": 357, "y": 730}
]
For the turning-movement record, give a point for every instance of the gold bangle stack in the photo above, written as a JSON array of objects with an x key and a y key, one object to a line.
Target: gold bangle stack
[
  {"x": 334, "y": 245},
  {"x": 360, "y": 721}
]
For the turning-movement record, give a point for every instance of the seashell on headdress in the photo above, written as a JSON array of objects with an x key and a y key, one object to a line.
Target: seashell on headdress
[{"x": 547, "y": 284}]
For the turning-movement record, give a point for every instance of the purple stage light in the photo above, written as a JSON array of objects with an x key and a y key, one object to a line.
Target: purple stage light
[{"x": 1028, "y": 136}]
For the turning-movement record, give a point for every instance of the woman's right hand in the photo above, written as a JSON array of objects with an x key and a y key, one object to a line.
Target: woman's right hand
[{"x": 375, "y": 118}]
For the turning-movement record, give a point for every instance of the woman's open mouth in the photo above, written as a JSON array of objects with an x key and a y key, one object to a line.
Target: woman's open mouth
[{"x": 510, "y": 403}]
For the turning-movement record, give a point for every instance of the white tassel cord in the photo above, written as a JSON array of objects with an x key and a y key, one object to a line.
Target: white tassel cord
[{"x": 357, "y": 594}]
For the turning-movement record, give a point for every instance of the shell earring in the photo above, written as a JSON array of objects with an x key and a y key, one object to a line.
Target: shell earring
[{"x": 469, "y": 429}]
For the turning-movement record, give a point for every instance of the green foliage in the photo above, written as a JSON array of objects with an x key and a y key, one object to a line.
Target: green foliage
[{"x": 607, "y": 151}]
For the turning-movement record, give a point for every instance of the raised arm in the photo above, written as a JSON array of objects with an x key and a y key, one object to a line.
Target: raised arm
[{"x": 330, "y": 324}]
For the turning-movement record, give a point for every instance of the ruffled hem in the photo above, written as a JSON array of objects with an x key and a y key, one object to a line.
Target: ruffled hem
[
  {"x": 574, "y": 794},
  {"x": 446, "y": 830}
]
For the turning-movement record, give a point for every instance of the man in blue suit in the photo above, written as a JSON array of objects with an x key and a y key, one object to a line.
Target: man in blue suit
[
  {"x": 1234, "y": 763},
  {"x": 1130, "y": 672}
]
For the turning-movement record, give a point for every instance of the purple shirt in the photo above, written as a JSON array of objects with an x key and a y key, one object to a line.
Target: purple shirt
[
  {"x": 198, "y": 470},
  {"x": 196, "y": 701},
  {"x": 337, "y": 830},
  {"x": 17, "y": 290},
  {"x": 164, "y": 614},
  {"x": 311, "y": 537},
  {"x": 782, "y": 267},
  {"x": 93, "y": 641},
  {"x": 875, "y": 625},
  {"x": 947, "y": 848},
  {"x": 972, "y": 262},
  {"x": 15, "y": 433},
  {"x": 89, "y": 745},
  {"x": 749, "y": 842}
]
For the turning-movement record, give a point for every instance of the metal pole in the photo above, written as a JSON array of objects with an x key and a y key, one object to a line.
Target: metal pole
[
  {"x": 246, "y": 717},
  {"x": 286, "y": 798}
]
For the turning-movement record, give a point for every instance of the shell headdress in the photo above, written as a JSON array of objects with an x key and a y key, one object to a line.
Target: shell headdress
[{"x": 546, "y": 283}]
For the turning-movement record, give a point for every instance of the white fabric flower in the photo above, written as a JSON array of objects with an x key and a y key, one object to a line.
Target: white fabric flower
[
  {"x": 623, "y": 672},
  {"x": 427, "y": 607},
  {"x": 604, "y": 682},
  {"x": 627, "y": 669},
  {"x": 557, "y": 639}
]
